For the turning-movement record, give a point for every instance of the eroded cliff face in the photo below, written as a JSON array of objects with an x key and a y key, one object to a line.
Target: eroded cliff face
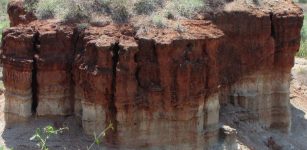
[{"x": 161, "y": 87}]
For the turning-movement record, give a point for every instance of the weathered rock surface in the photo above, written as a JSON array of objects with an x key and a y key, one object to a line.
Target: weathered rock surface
[
  {"x": 18, "y": 13},
  {"x": 17, "y": 57},
  {"x": 161, "y": 87}
]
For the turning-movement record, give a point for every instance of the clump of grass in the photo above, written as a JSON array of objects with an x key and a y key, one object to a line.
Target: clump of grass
[{"x": 159, "y": 21}]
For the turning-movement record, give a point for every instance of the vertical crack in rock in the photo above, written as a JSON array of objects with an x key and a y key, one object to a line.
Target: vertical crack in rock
[
  {"x": 77, "y": 41},
  {"x": 112, "y": 107},
  {"x": 34, "y": 83},
  {"x": 272, "y": 26}
]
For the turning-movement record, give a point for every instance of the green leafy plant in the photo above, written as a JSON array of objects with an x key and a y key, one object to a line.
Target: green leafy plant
[
  {"x": 43, "y": 134},
  {"x": 97, "y": 138}
]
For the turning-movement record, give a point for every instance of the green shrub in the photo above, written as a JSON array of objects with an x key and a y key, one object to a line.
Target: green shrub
[
  {"x": 75, "y": 12},
  {"x": 120, "y": 12},
  {"x": 103, "y": 6},
  {"x": 30, "y": 5},
  {"x": 68, "y": 10},
  {"x": 47, "y": 9},
  {"x": 159, "y": 21},
  {"x": 147, "y": 6},
  {"x": 187, "y": 8}
]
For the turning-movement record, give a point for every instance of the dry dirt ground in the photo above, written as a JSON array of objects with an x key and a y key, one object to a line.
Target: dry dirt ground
[{"x": 250, "y": 134}]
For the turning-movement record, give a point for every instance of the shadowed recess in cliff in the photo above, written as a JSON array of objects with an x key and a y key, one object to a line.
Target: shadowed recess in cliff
[
  {"x": 34, "y": 83},
  {"x": 112, "y": 108}
]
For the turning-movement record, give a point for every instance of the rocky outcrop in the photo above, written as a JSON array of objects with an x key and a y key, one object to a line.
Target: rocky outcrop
[
  {"x": 53, "y": 69},
  {"x": 18, "y": 14},
  {"x": 160, "y": 86},
  {"x": 261, "y": 46},
  {"x": 17, "y": 58}
]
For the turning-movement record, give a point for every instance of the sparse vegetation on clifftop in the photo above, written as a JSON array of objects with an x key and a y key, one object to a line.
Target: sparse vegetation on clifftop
[{"x": 119, "y": 11}]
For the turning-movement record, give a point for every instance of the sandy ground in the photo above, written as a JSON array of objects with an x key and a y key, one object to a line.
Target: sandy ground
[{"x": 250, "y": 134}]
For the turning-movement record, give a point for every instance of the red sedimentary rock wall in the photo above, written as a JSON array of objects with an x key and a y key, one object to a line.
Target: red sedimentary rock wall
[
  {"x": 18, "y": 13},
  {"x": 162, "y": 87}
]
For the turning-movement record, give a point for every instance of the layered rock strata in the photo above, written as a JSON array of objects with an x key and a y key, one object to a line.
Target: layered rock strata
[
  {"x": 163, "y": 87},
  {"x": 260, "y": 45},
  {"x": 17, "y": 58}
]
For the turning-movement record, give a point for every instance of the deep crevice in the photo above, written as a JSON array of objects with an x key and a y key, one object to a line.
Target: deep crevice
[
  {"x": 77, "y": 42},
  {"x": 272, "y": 25},
  {"x": 34, "y": 83},
  {"x": 112, "y": 107}
]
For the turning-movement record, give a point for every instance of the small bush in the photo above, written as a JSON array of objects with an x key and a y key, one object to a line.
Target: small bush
[
  {"x": 187, "y": 8},
  {"x": 146, "y": 7},
  {"x": 103, "y": 6},
  {"x": 75, "y": 11},
  {"x": 30, "y": 5},
  {"x": 120, "y": 11},
  {"x": 47, "y": 9},
  {"x": 159, "y": 21}
]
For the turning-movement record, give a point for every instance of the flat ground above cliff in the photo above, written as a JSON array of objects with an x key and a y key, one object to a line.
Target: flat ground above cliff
[{"x": 249, "y": 134}]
